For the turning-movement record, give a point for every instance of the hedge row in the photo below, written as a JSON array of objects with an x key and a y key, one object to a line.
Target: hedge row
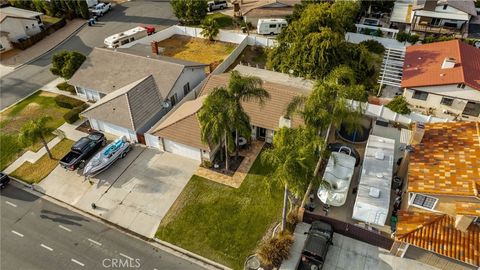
[
  {"x": 73, "y": 115},
  {"x": 64, "y": 86},
  {"x": 67, "y": 102}
]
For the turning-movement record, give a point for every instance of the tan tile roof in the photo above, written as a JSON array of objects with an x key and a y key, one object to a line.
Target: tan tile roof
[
  {"x": 447, "y": 161},
  {"x": 183, "y": 126},
  {"x": 436, "y": 232},
  {"x": 468, "y": 208}
]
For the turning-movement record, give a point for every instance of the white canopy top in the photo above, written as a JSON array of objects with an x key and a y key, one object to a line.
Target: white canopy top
[{"x": 373, "y": 195}]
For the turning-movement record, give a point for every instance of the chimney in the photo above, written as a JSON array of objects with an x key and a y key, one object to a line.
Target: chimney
[
  {"x": 154, "y": 47},
  {"x": 448, "y": 62},
  {"x": 417, "y": 133},
  {"x": 462, "y": 222}
]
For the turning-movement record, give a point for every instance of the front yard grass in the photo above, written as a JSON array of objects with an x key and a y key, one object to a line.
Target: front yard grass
[
  {"x": 50, "y": 20},
  {"x": 196, "y": 49},
  {"x": 224, "y": 21},
  {"x": 223, "y": 223},
  {"x": 35, "y": 172},
  {"x": 12, "y": 120}
]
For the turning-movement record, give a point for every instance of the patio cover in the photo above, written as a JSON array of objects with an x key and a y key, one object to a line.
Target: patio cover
[
  {"x": 402, "y": 12},
  {"x": 376, "y": 178},
  {"x": 449, "y": 16}
]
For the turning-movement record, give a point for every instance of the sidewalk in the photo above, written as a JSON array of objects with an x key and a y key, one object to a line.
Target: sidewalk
[{"x": 11, "y": 60}]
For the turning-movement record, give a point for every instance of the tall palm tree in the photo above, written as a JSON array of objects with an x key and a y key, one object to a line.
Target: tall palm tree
[
  {"x": 327, "y": 106},
  {"x": 210, "y": 29},
  {"x": 293, "y": 156},
  {"x": 244, "y": 89},
  {"x": 36, "y": 130}
]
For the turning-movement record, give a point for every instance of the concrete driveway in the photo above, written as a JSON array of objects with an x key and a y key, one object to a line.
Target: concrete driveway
[{"x": 135, "y": 193}]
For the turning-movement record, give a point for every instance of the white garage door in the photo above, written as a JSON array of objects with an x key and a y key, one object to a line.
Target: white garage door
[
  {"x": 114, "y": 129},
  {"x": 182, "y": 150}
]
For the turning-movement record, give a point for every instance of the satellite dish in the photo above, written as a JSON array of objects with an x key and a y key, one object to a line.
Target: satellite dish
[{"x": 166, "y": 104}]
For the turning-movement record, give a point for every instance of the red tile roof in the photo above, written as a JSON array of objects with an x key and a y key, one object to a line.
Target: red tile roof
[
  {"x": 423, "y": 65},
  {"x": 436, "y": 232}
]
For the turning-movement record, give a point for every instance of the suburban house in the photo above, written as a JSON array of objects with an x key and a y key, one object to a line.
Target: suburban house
[
  {"x": 132, "y": 90},
  {"x": 450, "y": 17},
  {"x": 252, "y": 11},
  {"x": 443, "y": 79},
  {"x": 441, "y": 203},
  {"x": 16, "y": 23},
  {"x": 179, "y": 132}
]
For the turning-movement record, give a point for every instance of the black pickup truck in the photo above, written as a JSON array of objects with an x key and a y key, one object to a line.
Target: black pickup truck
[
  {"x": 314, "y": 252},
  {"x": 82, "y": 150}
]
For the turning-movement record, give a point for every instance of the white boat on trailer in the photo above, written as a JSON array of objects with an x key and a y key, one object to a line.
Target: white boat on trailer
[{"x": 107, "y": 156}]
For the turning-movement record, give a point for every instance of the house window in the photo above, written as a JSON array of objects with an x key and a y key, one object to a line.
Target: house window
[
  {"x": 186, "y": 89},
  {"x": 472, "y": 109},
  {"x": 423, "y": 201},
  {"x": 173, "y": 99},
  {"x": 447, "y": 101},
  {"x": 445, "y": 7},
  {"x": 420, "y": 95}
]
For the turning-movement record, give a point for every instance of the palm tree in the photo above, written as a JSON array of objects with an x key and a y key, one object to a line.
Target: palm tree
[
  {"x": 293, "y": 156},
  {"x": 36, "y": 130},
  {"x": 244, "y": 88},
  {"x": 210, "y": 29},
  {"x": 215, "y": 120},
  {"x": 327, "y": 105}
]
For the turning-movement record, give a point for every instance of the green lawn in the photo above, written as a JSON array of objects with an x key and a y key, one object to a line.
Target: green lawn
[
  {"x": 35, "y": 172},
  {"x": 223, "y": 20},
  {"x": 222, "y": 223},
  {"x": 11, "y": 121}
]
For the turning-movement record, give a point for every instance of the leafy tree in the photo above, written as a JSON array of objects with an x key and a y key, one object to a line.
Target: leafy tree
[
  {"x": 36, "y": 130},
  {"x": 82, "y": 9},
  {"x": 210, "y": 29},
  {"x": 399, "y": 105},
  {"x": 373, "y": 46},
  {"x": 65, "y": 64},
  {"x": 189, "y": 12},
  {"x": 215, "y": 120},
  {"x": 293, "y": 156}
]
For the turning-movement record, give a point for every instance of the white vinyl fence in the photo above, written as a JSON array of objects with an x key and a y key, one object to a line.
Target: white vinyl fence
[{"x": 386, "y": 42}]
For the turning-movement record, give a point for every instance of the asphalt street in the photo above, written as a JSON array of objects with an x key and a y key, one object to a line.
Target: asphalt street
[
  {"x": 38, "y": 234},
  {"x": 25, "y": 80}
]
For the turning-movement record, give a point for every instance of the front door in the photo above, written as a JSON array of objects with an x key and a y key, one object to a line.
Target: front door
[{"x": 261, "y": 133}]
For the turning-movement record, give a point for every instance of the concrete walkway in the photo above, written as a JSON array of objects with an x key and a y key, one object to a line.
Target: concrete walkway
[{"x": 19, "y": 57}]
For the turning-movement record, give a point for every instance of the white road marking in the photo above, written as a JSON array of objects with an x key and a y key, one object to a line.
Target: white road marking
[
  {"x": 17, "y": 233},
  {"x": 46, "y": 247},
  {"x": 77, "y": 262},
  {"x": 95, "y": 242},
  {"x": 128, "y": 257},
  {"x": 11, "y": 204},
  {"x": 65, "y": 228}
]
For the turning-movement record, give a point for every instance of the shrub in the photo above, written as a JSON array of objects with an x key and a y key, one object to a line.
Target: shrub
[
  {"x": 65, "y": 64},
  {"x": 207, "y": 164},
  {"x": 379, "y": 33},
  {"x": 373, "y": 46},
  {"x": 431, "y": 39},
  {"x": 73, "y": 115},
  {"x": 402, "y": 36},
  {"x": 413, "y": 38},
  {"x": 399, "y": 105},
  {"x": 276, "y": 249},
  {"x": 64, "y": 86},
  {"x": 67, "y": 102}
]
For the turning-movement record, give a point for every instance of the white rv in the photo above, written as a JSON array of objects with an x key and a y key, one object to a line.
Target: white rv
[
  {"x": 120, "y": 39},
  {"x": 271, "y": 26}
]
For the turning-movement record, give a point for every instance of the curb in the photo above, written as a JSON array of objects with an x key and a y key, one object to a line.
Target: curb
[
  {"x": 53, "y": 48},
  {"x": 170, "y": 248}
]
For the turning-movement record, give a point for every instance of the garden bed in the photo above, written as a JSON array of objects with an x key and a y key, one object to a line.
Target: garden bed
[
  {"x": 222, "y": 223},
  {"x": 196, "y": 49},
  {"x": 12, "y": 120}
]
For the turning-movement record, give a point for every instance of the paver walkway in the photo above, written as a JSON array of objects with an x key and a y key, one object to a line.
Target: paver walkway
[
  {"x": 236, "y": 180},
  {"x": 43, "y": 46}
]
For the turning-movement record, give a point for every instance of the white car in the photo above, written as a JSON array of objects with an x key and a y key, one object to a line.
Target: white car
[
  {"x": 101, "y": 9},
  {"x": 217, "y": 4}
]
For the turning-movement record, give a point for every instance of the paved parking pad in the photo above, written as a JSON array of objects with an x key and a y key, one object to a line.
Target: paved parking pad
[{"x": 135, "y": 193}]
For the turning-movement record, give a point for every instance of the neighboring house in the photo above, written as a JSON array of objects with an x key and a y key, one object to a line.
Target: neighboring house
[
  {"x": 179, "y": 133},
  {"x": 5, "y": 44},
  {"x": 16, "y": 23},
  {"x": 443, "y": 78},
  {"x": 441, "y": 204},
  {"x": 434, "y": 16},
  {"x": 252, "y": 11},
  {"x": 113, "y": 79}
]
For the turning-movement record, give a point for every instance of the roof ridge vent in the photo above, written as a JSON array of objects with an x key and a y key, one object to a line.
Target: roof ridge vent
[{"x": 448, "y": 62}]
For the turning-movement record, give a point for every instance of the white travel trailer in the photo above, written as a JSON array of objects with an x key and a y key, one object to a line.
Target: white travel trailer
[
  {"x": 120, "y": 39},
  {"x": 271, "y": 26}
]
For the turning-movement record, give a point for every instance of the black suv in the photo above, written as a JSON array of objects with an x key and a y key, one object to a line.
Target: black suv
[
  {"x": 314, "y": 252},
  {"x": 4, "y": 179}
]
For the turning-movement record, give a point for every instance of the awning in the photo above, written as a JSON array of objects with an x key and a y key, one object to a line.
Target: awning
[
  {"x": 449, "y": 16},
  {"x": 402, "y": 13}
]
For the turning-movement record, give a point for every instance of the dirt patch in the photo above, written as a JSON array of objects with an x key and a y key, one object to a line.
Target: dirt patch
[
  {"x": 47, "y": 94},
  {"x": 254, "y": 56},
  {"x": 196, "y": 49}
]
